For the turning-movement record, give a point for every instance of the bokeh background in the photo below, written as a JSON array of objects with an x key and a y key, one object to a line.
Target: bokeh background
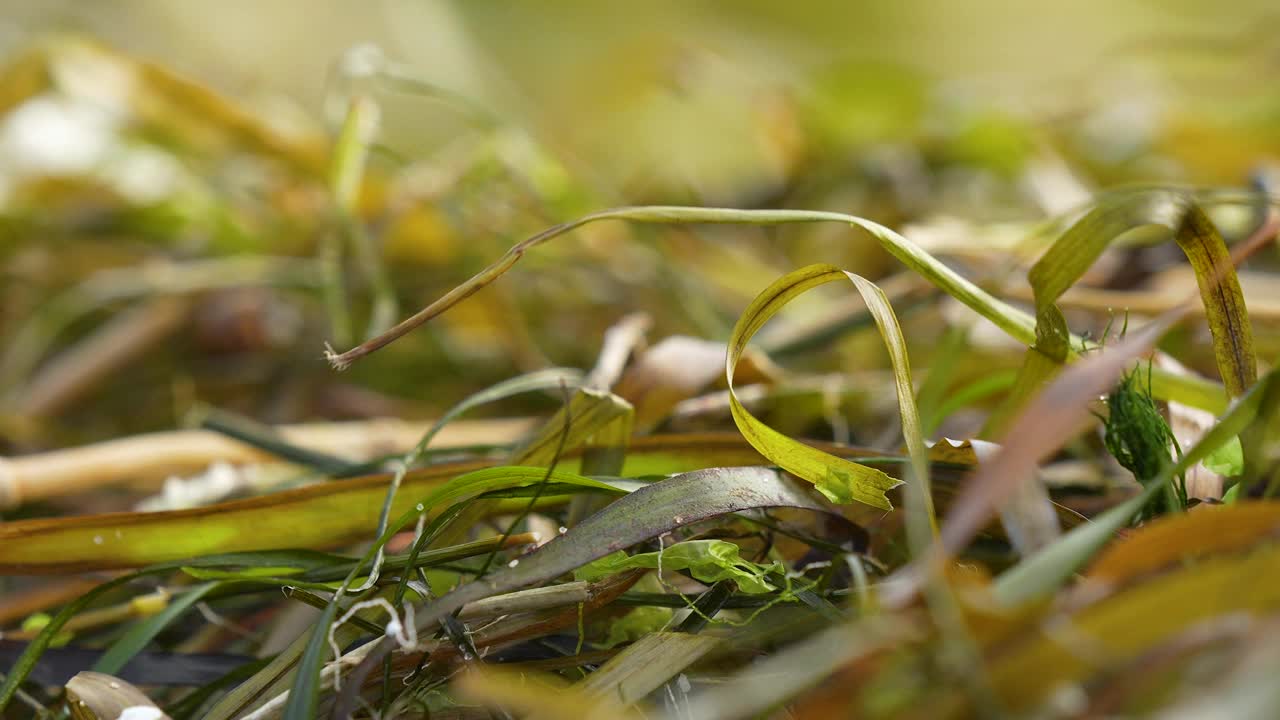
[{"x": 177, "y": 230}]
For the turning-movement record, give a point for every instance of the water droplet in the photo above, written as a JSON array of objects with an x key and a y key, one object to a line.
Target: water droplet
[
  {"x": 679, "y": 519},
  {"x": 513, "y": 563},
  {"x": 563, "y": 529},
  {"x": 419, "y": 507},
  {"x": 97, "y": 540}
]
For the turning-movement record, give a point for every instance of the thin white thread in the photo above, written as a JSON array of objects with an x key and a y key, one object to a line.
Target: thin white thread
[{"x": 405, "y": 632}]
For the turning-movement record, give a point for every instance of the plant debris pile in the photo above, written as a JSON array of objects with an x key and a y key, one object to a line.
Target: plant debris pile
[{"x": 911, "y": 411}]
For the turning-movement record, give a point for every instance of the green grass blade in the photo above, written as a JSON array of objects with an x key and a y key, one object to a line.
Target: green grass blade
[
  {"x": 912, "y": 432},
  {"x": 142, "y": 633},
  {"x": 839, "y": 479},
  {"x": 1223, "y": 299},
  {"x": 1019, "y": 325},
  {"x": 304, "y": 695},
  {"x": 306, "y": 685},
  {"x": 316, "y": 516}
]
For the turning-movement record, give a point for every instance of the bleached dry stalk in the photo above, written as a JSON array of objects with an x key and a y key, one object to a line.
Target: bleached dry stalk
[{"x": 154, "y": 456}]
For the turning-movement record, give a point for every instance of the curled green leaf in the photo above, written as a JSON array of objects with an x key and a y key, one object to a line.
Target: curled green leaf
[
  {"x": 707, "y": 560},
  {"x": 840, "y": 480},
  {"x": 1223, "y": 299}
]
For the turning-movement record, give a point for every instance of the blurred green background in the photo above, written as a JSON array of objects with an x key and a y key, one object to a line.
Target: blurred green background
[{"x": 189, "y": 137}]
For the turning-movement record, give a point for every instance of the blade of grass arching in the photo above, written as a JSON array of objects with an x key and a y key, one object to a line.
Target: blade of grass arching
[
  {"x": 1042, "y": 573},
  {"x": 906, "y": 290},
  {"x": 838, "y": 479},
  {"x": 1072, "y": 254},
  {"x": 539, "y": 380},
  {"x": 958, "y": 648},
  {"x": 1229, "y": 325},
  {"x": 1223, "y": 299},
  {"x": 1055, "y": 414},
  {"x": 647, "y": 664},
  {"x": 1066, "y": 260},
  {"x": 523, "y": 515},
  {"x": 642, "y": 515},
  {"x": 1016, "y": 323},
  {"x": 1003, "y": 315},
  {"x": 140, "y": 634},
  {"x": 912, "y": 433}
]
